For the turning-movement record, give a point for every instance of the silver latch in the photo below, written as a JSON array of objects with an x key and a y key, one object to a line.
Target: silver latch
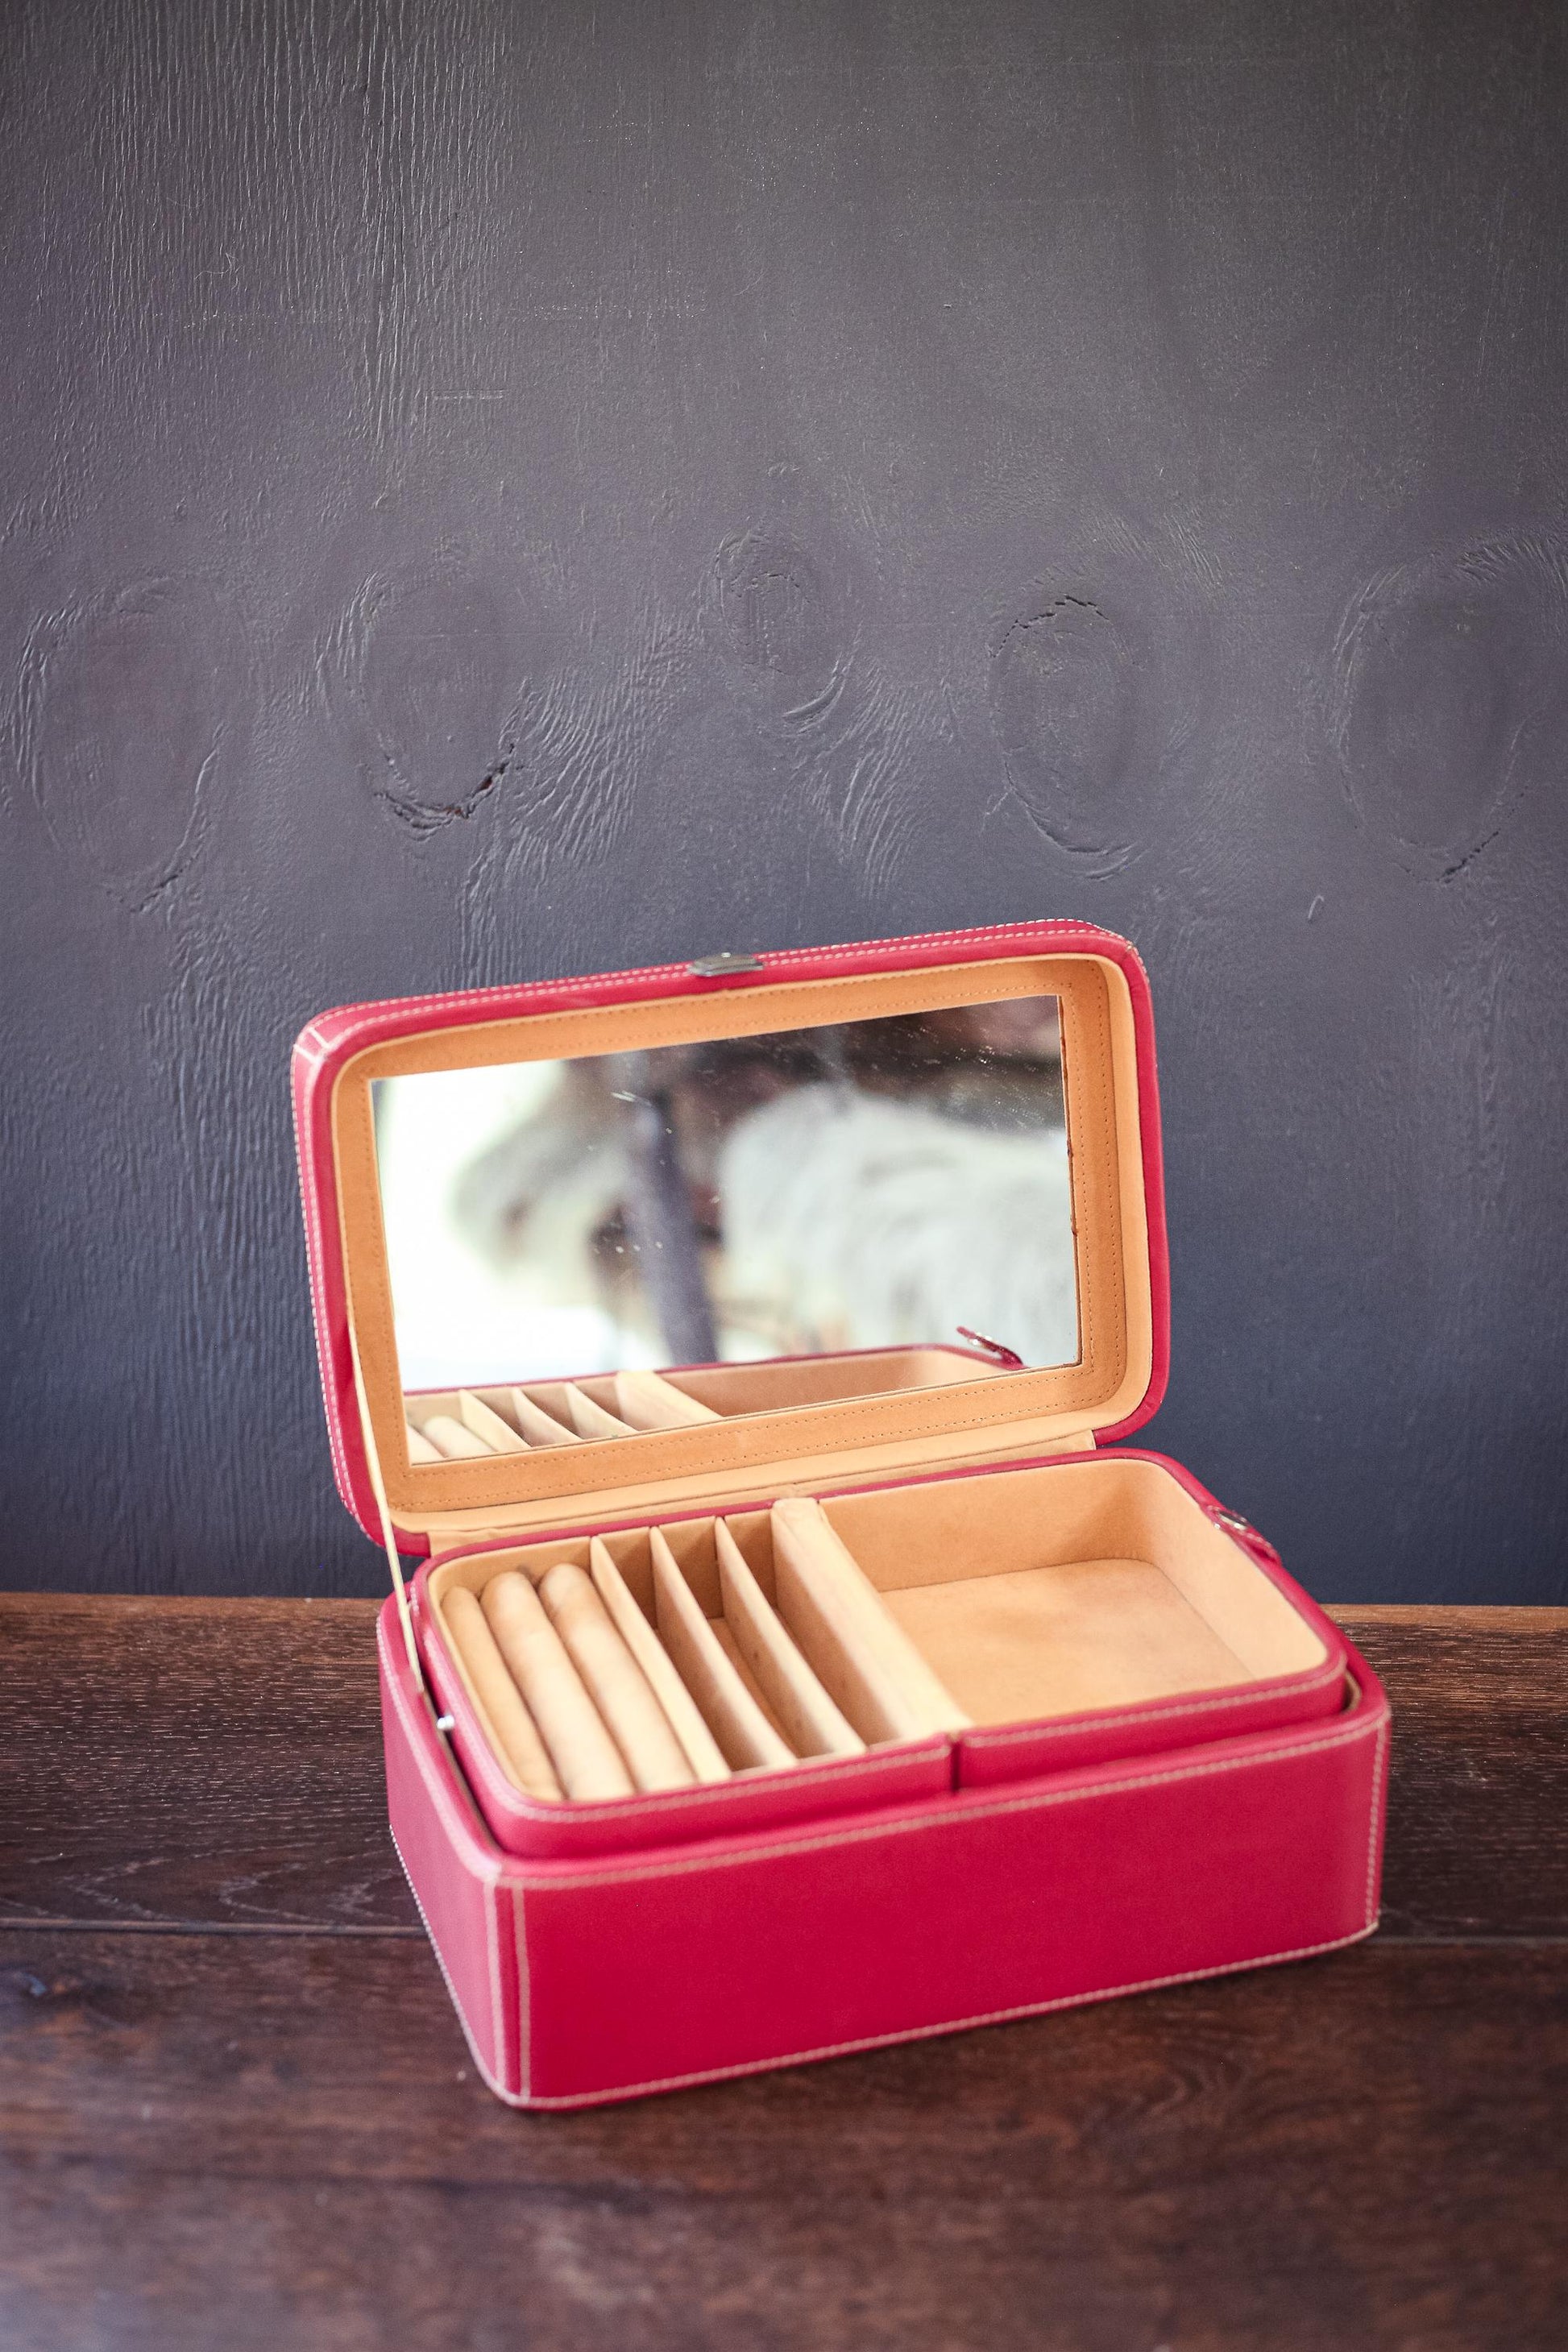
[{"x": 729, "y": 966}]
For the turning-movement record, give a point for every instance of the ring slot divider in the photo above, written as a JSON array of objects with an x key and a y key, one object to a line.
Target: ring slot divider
[
  {"x": 807, "y": 1716},
  {"x": 483, "y": 1422},
  {"x": 539, "y": 1427},
  {"x": 648, "y": 1401},
  {"x": 514, "y": 1735},
  {"x": 614, "y": 1682},
  {"x": 746, "y": 1738},
  {"x": 591, "y": 1420},
  {"x": 585, "y": 1758},
  {"x": 869, "y": 1663},
  {"x": 684, "y": 1715}
]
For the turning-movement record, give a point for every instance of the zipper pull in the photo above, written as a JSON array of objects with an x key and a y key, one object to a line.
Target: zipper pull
[{"x": 1007, "y": 1356}]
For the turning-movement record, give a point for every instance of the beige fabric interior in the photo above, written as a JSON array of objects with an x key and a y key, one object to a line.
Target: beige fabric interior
[
  {"x": 1102, "y": 1587},
  {"x": 828, "y": 1435},
  {"x": 501, "y": 1420}
]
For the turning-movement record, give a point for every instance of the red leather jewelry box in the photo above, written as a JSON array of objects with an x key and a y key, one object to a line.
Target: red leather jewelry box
[{"x": 802, "y": 1658}]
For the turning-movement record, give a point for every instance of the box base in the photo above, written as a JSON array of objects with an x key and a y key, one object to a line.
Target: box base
[{"x": 584, "y": 1982}]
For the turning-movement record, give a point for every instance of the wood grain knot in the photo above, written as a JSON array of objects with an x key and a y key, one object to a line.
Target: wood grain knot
[
  {"x": 1064, "y": 705},
  {"x": 423, "y": 672},
  {"x": 779, "y": 621},
  {"x": 126, "y": 703},
  {"x": 1447, "y": 696}
]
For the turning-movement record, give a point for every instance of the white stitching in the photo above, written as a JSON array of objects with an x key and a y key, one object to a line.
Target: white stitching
[
  {"x": 909, "y": 2034},
  {"x": 566, "y": 1879},
  {"x": 772, "y": 959},
  {"x": 945, "y": 2025},
  {"x": 524, "y": 1989},
  {"x": 1086, "y": 1723},
  {"x": 489, "y": 2080},
  {"x": 492, "y": 1962},
  {"x": 315, "y": 1244},
  {"x": 1374, "y": 1826}
]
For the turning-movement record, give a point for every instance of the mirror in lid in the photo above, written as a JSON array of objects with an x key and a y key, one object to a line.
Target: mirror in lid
[{"x": 648, "y": 1239}]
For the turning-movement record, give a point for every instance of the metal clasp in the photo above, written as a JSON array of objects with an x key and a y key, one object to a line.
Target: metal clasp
[{"x": 731, "y": 965}]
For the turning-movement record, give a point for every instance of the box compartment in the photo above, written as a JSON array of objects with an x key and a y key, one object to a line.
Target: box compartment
[{"x": 1075, "y": 1610}]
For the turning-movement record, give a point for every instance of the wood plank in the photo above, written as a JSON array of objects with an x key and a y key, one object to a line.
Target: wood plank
[
  {"x": 215, "y": 1762},
  {"x": 1362, "y": 2150},
  {"x": 218, "y": 1762},
  {"x": 1478, "y": 1800}
]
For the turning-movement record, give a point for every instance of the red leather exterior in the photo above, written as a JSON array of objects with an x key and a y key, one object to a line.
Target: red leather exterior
[
  {"x": 452, "y": 1866},
  {"x": 595, "y": 1952},
  {"x": 676, "y": 1965},
  {"x": 333, "y": 1038}
]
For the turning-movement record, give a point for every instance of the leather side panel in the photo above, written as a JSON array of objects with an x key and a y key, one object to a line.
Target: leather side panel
[
  {"x": 453, "y": 1870},
  {"x": 681, "y": 1968}
]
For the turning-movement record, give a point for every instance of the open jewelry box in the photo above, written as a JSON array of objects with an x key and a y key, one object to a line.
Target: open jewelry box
[{"x": 801, "y": 1660}]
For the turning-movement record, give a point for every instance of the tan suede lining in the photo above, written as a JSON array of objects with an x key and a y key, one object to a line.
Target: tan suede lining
[
  {"x": 1032, "y": 1593},
  {"x": 808, "y": 1447}
]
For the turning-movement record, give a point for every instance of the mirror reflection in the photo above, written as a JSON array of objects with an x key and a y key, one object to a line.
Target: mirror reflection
[{"x": 884, "y": 1185}]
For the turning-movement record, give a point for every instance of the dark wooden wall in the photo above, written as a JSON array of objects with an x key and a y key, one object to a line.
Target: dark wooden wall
[{"x": 495, "y": 490}]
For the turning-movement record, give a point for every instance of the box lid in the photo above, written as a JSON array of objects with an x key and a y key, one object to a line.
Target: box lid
[{"x": 818, "y": 1013}]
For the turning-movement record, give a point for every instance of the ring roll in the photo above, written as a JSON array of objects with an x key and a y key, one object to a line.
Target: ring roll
[
  {"x": 702, "y": 1751},
  {"x": 514, "y": 1736},
  {"x": 648, "y": 1401},
  {"x": 452, "y": 1440},
  {"x": 806, "y": 1716},
  {"x": 419, "y": 1446},
  {"x": 653, "y": 1755},
  {"x": 866, "y": 1660},
  {"x": 539, "y": 1427},
  {"x": 585, "y": 1758},
  {"x": 744, "y": 1732}
]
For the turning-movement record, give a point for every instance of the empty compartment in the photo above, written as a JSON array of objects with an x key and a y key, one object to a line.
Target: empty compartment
[
  {"x": 708, "y": 1657},
  {"x": 648, "y": 1401},
  {"x": 681, "y": 1711},
  {"x": 533, "y": 1421},
  {"x": 800, "y": 1703},
  {"x": 1072, "y": 1587},
  {"x": 782, "y": 1384}
]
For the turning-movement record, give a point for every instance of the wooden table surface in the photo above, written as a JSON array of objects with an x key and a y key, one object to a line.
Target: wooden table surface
[{"x": 236, "y": 2109}]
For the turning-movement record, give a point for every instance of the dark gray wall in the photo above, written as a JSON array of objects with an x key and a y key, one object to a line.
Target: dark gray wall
[{"x": 496, "y": 490}]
